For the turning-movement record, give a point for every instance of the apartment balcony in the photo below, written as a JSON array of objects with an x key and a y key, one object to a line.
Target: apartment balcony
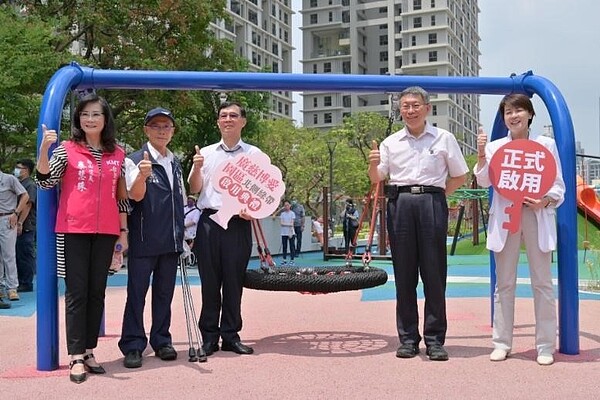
[{"x": 322, "y": 53}]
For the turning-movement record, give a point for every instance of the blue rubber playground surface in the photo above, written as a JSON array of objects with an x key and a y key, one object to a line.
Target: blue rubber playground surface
[{"x": 468, "y": 277}]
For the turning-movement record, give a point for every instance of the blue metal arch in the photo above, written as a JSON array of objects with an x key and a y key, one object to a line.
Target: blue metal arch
[{"x": 74, "y": 76}]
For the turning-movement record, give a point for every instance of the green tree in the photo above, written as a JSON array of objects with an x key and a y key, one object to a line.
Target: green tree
[
  {"x": 152, "y": 35},
  {"x": 28, "y": 61}
]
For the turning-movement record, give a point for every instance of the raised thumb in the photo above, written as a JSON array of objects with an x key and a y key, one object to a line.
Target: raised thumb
[
  {"x": 197, "y": 149},
  {"x": 374, "y": 145},
  {"x": 146, "y": 156}
]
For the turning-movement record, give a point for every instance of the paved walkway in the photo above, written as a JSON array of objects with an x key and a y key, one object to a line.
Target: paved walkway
[{"x": 335, "y": 346}]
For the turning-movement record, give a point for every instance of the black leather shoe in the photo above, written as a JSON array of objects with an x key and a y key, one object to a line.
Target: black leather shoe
[
  {"x": 407, "y": 350},
  {"x": 133, "y": 359},
  {"x": 98, "y": 369},
  {"x": 437, "y": 352},
  {"x": 210, "y": 348},
  {"x": 237, "y": 347},
  {"x": 77, "y": 378},
  {"x": 166, "y": 353}
]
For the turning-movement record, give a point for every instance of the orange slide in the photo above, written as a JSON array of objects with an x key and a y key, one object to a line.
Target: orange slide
[{"x": 587, "y": 200}]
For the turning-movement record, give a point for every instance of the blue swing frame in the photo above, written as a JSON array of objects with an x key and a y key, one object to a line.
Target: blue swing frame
[{"x": 77, "y": 77}]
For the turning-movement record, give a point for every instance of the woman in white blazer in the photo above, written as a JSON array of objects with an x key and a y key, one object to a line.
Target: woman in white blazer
[{"x": 537, "y": 230}]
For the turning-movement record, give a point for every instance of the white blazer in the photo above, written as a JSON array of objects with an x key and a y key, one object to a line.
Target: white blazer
[{"x": 546, "y": 222}]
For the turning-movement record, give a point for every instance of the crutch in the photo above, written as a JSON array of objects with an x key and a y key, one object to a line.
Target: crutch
[
  {"x": 194, "y": 353},
  {"x": 264, "y": 254}
]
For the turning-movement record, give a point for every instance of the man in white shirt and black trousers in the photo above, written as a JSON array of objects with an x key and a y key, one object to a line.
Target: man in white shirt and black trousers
[
  {"x": 222, "y": 254},
  {"x": 424, "y": 164}
]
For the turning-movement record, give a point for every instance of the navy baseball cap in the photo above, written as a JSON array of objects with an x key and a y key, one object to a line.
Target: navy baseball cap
[{"x": 156, "y": 112}]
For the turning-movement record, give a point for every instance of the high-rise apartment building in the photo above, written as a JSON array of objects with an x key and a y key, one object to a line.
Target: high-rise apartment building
[
  {"x": 261, "y": 31},
  {"x": 396, "y": 37}
]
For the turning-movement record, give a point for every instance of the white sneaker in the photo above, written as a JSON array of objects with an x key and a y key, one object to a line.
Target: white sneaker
[
  {"x": 291, "y": 263},
  {"x": 499, "y": 355},
  {"x": 284, "y": 262},
  {"x": 545, "y": 359}
]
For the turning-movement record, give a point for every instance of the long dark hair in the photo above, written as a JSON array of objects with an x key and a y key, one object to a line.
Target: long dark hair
[{"x": 108, "y": 134}]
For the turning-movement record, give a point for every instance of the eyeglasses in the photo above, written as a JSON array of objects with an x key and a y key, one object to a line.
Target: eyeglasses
[
  {"x": 90, "y": 115},
  {"x": 159, "y": 128},
  {"x": 230, "y": 115},
  {"x": 408, "y": 107}
]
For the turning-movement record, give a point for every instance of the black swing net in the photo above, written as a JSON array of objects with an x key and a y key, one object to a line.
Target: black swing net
[{"x": 318, "y": 279}]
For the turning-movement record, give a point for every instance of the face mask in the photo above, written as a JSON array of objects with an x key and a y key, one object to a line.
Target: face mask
[
  {"x": 17, "y": 172},
  {"x": 190, "y": 203}
]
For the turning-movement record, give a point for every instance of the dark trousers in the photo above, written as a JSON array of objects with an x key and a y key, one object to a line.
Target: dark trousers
[
  {"x": 417, "y": 226},
  {"x": 87, "y": 258},
  {"x": 26, "y": 258},
  {"x": 284, "y": 246},
  {"x": 349, "y": 233},
  {"x": 223, "y": 256},
  {"x": 298, "y": 240},
  {"x": 163, "y": 270}
]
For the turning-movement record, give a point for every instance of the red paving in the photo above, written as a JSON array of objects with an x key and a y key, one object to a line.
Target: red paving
[{"x": 331, "y": 346}]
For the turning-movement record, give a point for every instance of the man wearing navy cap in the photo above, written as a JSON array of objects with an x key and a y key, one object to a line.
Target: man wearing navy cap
[{"x": 156, "y": 193}]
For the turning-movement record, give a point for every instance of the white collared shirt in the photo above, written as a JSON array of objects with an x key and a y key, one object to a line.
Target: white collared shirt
[
  {"x": 214, "y": 155},
  {"x": 132, "y": 171},
  {"x": 426, "y": 160}
]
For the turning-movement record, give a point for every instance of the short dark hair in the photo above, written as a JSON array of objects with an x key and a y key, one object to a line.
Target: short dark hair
[
  {"x": 27, "y": 163},
  {"x": 227, "y": 104},
  {"x": 517, "y": 100}
]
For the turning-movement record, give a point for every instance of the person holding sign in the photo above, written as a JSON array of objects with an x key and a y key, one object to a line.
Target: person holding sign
[
  {"x": 424, "y": 165},
  {"x": 156, "y": 192},
  {"x": 524, "y": 170},
  {"x": 223, "y": 245}
]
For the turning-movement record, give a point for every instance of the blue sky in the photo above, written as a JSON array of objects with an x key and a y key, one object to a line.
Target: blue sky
[{"x": 553, "y": 39}]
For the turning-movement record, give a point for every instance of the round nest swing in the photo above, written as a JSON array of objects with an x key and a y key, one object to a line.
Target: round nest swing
[
  {"x": 326, "y": 279},
  {"x": 315, "y": 279}
]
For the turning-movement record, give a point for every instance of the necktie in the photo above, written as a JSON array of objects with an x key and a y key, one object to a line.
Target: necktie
[{"x": 226, "y": 150}]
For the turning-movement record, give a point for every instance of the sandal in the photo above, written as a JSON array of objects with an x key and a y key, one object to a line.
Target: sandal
[
  {"x": 93, "y": 369},
  {"x": 77, "y": 378}
]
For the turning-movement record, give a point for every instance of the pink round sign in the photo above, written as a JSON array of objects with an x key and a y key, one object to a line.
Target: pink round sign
[{"x": 247, "y": 182}]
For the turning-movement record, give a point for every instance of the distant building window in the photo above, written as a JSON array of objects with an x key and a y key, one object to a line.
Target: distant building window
[
  {"x": 315, "y": 68},
  {"x": 383, "y": 40},
  {"x": 382, "y": 10},
  {"x": 347, "y": 101},
  {"x": 330, "y": 17},
  {"x": 327, "y": 67},
  {"x": 315, "y": 102},
  {"x": 434, "y": 110},
  {"x": 433, "y": 56},
  {"x": 327, "y": 101},
  {"x": 253, "y": 17},
  {"x": 413, "y": 58},
  {"x": 382, "y": 27},
  {"x": 314, "y": 3},
  {"x": 314, "y": 19},
  {"x": 432, "y": 38},
  {"x": 383, "y": 71},
  {"x": 276, "y": 49},
  {"x": 275, "y": 66},
  {"x": 327, "y": 118},
  {"x": 315, "y": 119},
  {"x": 383, "y": 56},
  {"x": 433, "y": 20},
  {"x": 346, "y": 69},
  {"x": 432, "y": 3},
  {"x": 413, "y": 40},
  {"x": 417, "y": 22},
  {"x": 416, "y": 4},
  {"x": 345, "y": 17}
]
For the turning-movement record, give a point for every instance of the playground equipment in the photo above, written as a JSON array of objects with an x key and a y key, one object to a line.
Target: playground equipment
[
  {"x": 76, "y": 77},
  {"x": 587, "y": 201}
]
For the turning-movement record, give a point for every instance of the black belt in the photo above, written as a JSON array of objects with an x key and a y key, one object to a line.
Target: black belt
[
  {"x": 211, "y": 211},
  {"x": 5, "y": 214},
  {"x": 391, "y": 191}
]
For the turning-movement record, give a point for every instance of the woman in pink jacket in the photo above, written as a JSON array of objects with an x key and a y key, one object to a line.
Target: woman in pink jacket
[
  {"x": 91, "y": 221},
  {"x": 537, "y": 230}
]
